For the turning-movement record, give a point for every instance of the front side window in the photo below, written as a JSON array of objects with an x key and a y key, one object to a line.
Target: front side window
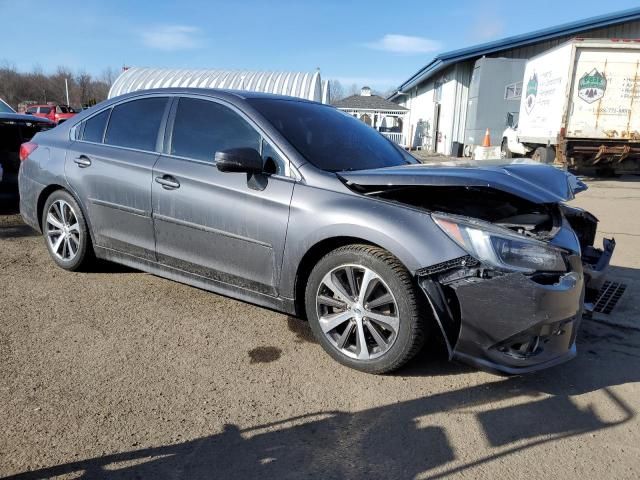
[
  {"x": 328, "y": 138},
  {"x": 94, "y": 127},
  {"x": 202, "y": 128},
  {"x": 135, "y": 124},
  {"x": 32, "y": 110}
]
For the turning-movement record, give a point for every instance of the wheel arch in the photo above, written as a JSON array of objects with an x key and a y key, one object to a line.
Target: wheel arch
[
  {"x": 46, "y": 193},
  {"x": 312, "y": 257},
  {"x": 42, "y": 199}
]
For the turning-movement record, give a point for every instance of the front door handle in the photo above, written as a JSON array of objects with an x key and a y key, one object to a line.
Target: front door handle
[
  {"x": 83, "y": 161},
  {"x": 168, "y": 182}
]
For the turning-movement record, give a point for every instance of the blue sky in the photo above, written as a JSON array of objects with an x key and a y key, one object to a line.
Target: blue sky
[{"x": 362, "y": 42}]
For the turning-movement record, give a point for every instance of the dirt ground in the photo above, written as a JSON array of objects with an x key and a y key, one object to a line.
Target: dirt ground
[{"x": 120, "y": 374}]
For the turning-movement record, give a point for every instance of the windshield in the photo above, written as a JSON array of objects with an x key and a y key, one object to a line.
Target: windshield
[
  {"x": 4, "y": 108},
  {"x": 328, "y": 138}
]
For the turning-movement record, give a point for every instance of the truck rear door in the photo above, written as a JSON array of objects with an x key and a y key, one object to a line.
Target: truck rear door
[{"x": 606, "y": 94}]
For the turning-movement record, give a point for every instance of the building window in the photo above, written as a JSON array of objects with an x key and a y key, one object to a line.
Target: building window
[
  {"x": 437, "y": 94},
  {"x": 513, "y": 91}
]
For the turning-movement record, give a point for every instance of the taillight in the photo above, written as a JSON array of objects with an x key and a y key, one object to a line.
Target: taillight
[{"x": 27, "y": 149}]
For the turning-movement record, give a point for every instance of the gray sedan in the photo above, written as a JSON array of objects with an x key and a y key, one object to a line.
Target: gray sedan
[{"x": 298, "y": 207}]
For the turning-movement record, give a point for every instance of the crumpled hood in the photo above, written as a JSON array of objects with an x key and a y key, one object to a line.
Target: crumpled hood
[{"x": 533, "y": 182}]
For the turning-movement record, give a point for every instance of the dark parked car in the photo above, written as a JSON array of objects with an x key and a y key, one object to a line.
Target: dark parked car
[
  {"x": 299, "y": 207},
  {"x": 15, "y": 129}
]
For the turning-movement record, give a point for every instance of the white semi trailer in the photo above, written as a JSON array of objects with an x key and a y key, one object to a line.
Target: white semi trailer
[{"x": 580, "y": 107}]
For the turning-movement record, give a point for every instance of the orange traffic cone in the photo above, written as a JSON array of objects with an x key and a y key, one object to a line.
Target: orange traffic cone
[{"x": 487, "y": 139}]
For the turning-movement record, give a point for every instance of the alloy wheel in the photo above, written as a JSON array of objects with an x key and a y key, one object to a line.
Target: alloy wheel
[
  {"x": 357, "y": 312},
  {"x": 62, "y": 230}
]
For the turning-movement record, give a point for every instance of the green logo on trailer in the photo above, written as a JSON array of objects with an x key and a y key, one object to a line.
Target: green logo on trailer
[
  {"x": 532, "y": 91},
  {"x": 592, "y": 86}
]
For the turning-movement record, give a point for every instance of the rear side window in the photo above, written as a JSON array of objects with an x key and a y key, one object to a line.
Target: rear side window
[
  {"x": 94, "y": 127},
  {"x": 201, "y": 128},
  {"x": 45, "y": 110},
  {"x": 135, "y": 124}
]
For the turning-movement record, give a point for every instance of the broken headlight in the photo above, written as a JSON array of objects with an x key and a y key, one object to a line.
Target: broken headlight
[{"x": 501, "y": 248}]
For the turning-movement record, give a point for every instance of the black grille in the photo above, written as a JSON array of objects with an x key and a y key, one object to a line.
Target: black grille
[
  {"x": 466, "y": 261},
  {"x": 608, "y": 296}
]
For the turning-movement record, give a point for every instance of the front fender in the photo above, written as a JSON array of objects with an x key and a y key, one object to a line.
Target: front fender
[{"x": 317, "y": 215}]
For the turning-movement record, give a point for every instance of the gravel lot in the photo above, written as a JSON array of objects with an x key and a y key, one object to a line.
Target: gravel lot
[{"x": 120, "y": 374}]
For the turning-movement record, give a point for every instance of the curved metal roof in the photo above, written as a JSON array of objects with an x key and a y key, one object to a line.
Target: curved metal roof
[
  {"x": 443, "y": 60},
  {"x": 307, "y": 85}
]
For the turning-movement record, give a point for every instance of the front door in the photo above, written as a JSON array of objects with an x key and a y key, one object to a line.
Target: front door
[
  {"x": 111, "y": 172},
  {"x": 228, "y": 227}
]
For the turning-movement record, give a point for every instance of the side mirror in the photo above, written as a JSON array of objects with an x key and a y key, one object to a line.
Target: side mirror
[{"x": 245, "y": 160}]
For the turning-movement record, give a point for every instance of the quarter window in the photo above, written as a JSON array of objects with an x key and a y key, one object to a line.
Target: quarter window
[
  {"x": 135, "y": 124},
  {"x": 94, "y": 127},
  {"x": 202, "y": 128}
]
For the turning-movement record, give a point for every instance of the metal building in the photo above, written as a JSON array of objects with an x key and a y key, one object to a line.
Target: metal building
[
  {"x": 438, "y": 95},
  {"x": 307, "y": 85}
]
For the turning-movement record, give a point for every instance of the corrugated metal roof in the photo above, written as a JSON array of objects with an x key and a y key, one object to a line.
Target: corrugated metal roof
[
  {"x": 307, "y": 85},
  {"x": 445, "y": 59}
]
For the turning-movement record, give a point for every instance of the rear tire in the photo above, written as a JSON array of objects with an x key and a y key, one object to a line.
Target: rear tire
[
  {"x": 372, "y": 301},
  {"x": 65, "y": 232}
]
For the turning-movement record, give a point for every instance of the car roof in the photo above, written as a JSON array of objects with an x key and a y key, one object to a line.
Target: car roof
[{"x": 215, "y": 92}]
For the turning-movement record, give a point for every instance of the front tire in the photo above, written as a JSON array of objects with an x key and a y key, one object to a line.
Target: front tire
[
  {"x": 546, "y": 155},
  {"x": 65, "y": 231},
  {"x": 364, "y": 310},
  {"x": 504, "y": 149}
]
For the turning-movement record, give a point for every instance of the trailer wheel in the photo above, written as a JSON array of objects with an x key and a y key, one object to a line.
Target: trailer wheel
[{"x": 544, "y": 155}]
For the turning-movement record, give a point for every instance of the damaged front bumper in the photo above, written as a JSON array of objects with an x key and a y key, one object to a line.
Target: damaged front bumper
[{"x": 510, "y": 323}]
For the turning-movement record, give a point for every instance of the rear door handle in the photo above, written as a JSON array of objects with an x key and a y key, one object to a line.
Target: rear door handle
[
  {"x": 168, "y": 182},
  {"x": 83, "y": 161}
]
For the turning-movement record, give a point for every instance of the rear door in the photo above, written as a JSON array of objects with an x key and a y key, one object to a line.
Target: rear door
[
  {"x": 228, "y": 227},
  {"x": 110, "y": 168},
  {"x": 605, "y": 94}
]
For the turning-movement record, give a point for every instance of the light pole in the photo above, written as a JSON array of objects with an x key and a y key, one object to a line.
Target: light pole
[{"x": 66, "y": 87}]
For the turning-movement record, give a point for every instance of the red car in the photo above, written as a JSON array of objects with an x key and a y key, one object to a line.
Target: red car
[{"x": 53, "y": 112}]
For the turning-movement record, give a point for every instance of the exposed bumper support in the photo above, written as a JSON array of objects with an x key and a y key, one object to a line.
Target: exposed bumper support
[{"x": 511, "y": 323}]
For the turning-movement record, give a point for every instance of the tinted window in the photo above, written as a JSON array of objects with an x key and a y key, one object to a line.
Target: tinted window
[
  {"x": 4, "y": 108},
  {"x": 135, "y": 124},
  {"x": 32, "y": 110},
  {"x": 330, "y": 139},
  {"x": 202, "y": 128},
  {"x": 45, "y": 110},
  {"x": 94, "y": 127}
]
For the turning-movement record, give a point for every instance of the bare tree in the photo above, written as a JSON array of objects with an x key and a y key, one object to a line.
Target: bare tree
[
  {"x": 18, "y": 88},
  {"x": 335, "y": 90},
  {"x": 354, "y": 89}
]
